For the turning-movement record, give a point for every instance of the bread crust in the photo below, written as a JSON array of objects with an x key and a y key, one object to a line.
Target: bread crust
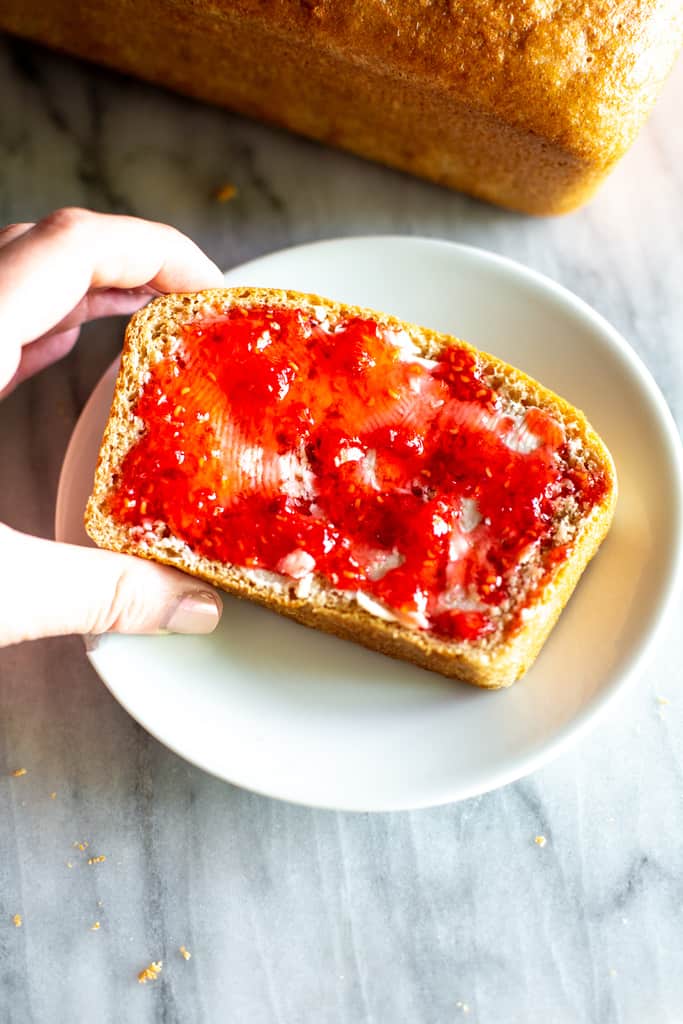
[{"x": 150, "y": 336}]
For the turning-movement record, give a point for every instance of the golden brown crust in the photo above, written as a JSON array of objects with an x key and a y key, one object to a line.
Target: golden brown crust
[
  {"x": 150, "y": 336},
  {"x": 527, "y": 103}
]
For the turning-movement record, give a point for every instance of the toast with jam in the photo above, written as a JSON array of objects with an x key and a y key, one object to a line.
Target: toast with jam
[{"x": 377, "y": 480}]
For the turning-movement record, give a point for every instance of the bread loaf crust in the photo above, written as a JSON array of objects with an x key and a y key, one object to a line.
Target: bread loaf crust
[
  {"x": 150, "y": 336},
  {"x": 526, "y": 103}
]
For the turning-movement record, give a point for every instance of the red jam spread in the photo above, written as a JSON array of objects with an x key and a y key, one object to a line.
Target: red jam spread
[{"x": 274, "y": 440}]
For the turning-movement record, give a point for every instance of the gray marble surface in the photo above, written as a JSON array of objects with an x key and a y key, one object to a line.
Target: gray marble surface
[{"x": 296, "y": 916}]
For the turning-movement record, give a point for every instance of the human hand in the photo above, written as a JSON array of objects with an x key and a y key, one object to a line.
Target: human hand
[{"x": 72, "y": 267}]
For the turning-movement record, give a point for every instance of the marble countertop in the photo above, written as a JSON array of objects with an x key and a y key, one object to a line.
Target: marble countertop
[{"x": 295, "y": 916}]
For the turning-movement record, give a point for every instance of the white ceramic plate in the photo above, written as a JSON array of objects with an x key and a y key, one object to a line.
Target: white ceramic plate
[{"x": 283, "y": 710}]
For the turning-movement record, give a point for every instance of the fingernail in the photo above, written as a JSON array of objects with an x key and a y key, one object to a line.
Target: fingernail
[{"x": 196, "y": 612}]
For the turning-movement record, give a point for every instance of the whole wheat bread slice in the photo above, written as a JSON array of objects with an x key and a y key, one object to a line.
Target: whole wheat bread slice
[{"x": 493, "y": 661}]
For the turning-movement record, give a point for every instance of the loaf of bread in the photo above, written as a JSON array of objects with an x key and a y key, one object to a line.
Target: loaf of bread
[
  {"x": 526, "y": 103},
  {"x": 370, "y": 478}
]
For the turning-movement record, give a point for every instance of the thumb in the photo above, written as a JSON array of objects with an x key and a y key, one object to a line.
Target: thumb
[{"x": 51, "y": 589}]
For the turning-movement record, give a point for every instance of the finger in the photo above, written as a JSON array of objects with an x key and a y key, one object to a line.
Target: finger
[
  {"x": 58, "y": 342},
  {"x": 13, "y": 231},
  {"x": 47, "y": 270},
  {"x": 101, "y": 302},
  {"x": 58, "y": 589},
  {"x": 39, "y": 354}
]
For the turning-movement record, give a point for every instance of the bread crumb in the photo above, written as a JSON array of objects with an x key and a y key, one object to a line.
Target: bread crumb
[
  {"x": 53, "y": 796},
  {"x": 463, "y": 1007},
  {"x": 95, "y": 927},
  {"x": 185, "y": 953},
  {"x": 150, "y": 973},
  {"x": 18, "y": 772},
  {"x": 17, "y": 920},
  {"x": 97, "y": 860},
  {"x": 613, "y": 972},
  {"x": 69, "y": 864},
  {"x": 81, "y": 846},
  {"x": 540, "y": 840},
  {"x": 662, "y": 701},
  {"x": 226, "y": 192}
]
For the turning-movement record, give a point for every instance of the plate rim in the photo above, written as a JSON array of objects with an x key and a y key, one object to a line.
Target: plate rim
[{"x": 590, "y": 715}]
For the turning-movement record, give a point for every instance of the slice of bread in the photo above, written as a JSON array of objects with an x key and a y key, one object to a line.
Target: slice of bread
[{"x": 534, "y": 589}]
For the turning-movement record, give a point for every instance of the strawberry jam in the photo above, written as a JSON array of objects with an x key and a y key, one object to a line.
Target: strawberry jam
[{"x": 273, "y": 440}]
